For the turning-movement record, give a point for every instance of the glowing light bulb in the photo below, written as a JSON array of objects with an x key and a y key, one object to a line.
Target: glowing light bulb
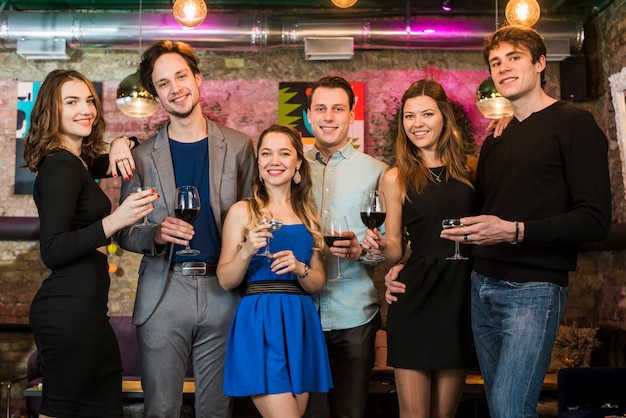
[
  {"x": 344, "y": 4},
  {"x": 522, "y": 12},
  {"x": 190, "y": 13}
]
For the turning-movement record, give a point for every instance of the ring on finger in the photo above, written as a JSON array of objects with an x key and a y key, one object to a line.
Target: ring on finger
[{"x": 465, "y": 238}]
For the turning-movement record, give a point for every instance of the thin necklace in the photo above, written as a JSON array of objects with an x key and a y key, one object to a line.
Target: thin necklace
[
  {"x": 68, "y": 149},
  {"x": 437, "y": 177}
]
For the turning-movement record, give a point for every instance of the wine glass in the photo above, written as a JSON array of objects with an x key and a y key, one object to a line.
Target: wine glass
[
  {"x": 145, "y": 223},
  {"x": 335, "y": 226},
  {"x": 454, "y": 223},
  {"x": 187, "y": 208},
  {"x": 373, "y": 214},
  {"x": 266, "y": 217}
]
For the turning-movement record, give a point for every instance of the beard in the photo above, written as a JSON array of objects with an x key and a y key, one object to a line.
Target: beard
[{"x": 182, "y": 114}]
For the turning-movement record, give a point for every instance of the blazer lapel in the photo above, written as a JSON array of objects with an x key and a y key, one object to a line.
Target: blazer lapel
[
  {"x": 165, "y": 169},
  {"x": 217, "y": 154}
]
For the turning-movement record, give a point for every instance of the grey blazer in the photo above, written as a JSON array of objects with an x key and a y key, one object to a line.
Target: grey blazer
[{"x": 232, "y": 166}]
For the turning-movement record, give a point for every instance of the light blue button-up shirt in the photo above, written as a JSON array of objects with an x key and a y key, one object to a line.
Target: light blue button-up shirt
[{"x": 338, "y": 185}]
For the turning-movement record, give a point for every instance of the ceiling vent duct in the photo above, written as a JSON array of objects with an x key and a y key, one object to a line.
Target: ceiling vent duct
[
  {"x": 328, "y": 48},
  {"x": 252, "y": 32},
  {"x": 42, "y": 49}
]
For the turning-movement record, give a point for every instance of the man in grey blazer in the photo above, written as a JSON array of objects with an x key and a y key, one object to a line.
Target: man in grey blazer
[{"x": 180, "y": 308}]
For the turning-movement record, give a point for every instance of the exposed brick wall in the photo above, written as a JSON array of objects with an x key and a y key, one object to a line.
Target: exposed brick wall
[{"x": 246, "y": 99}]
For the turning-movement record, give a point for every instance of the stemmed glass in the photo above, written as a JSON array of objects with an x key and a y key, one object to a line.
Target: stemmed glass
[
  {"x": 145, "y": 223},
  {"x": 373, "y": 214},
  {"x": 454, "y": 223},
  {"x": 335, "y": 226},
  {"x": 267, "y": 218},
  {"x": 187, "y": 208}
]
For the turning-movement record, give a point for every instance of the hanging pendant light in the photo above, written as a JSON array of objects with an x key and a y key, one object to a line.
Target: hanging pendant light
[
  {"x": 190, "y": 13},
  {"x": 344, "y": 4},
  {"x": 132, "y": 97},
  {"x": 491, "y": 103},
  {"x": 522, "y": 12}
]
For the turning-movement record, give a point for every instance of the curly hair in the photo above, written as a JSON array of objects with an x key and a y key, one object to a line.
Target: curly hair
[
  {"x": 413, "y": 174},
  {"x": 302, "y": 200},
  {"x": 45, "y": 122}
]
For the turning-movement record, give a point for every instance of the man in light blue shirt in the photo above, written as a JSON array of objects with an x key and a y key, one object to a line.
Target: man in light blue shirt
[{"x": 349, "y": 308}]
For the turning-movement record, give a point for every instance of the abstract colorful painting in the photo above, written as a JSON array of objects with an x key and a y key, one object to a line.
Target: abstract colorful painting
[{"x": 292, "y": 107}]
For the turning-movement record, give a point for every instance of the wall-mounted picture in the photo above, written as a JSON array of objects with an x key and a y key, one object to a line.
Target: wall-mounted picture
[{"x": 292, "y": 107}]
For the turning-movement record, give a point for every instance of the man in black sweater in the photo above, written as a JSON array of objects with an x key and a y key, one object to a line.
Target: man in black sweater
[{"x": 545, "y": 189}]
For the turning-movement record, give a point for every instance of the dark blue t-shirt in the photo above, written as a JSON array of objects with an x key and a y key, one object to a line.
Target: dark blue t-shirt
[{"x": 191, "y": 168}]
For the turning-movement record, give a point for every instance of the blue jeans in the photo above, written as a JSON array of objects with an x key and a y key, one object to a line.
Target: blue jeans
[{"x": 514, "y": 326}]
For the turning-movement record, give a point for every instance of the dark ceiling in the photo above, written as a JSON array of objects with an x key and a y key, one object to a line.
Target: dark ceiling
[{"x": 574, "y": 10}]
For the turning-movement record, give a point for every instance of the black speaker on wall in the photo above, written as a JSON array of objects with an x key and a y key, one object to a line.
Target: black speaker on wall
[{"x": 574, "y": 80}]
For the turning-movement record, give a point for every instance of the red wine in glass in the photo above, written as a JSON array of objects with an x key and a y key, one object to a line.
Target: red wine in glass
[
  {"x": 373, "y": 219},
  {"x": 333, "y": 228},
  {"x": 330, "y": 240},
  {"x": 373, "y": 214},
  {"x": 187, "y": 215},
  {"x": 187, "y": 208}
]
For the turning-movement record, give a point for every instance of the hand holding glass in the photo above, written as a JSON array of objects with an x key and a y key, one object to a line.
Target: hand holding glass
[
  {"x": 145, "y": 223},
  {"x": 373, "y": 214},
  {"x": 334, "y": 228},
  {"x": 267, "y": 218},
  {"x": 187, "y": 208},
  {"x": 454, "y": 223}
]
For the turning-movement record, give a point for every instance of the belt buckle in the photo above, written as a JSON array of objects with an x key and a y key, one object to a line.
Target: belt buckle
[{"x": 194, "y": 268}]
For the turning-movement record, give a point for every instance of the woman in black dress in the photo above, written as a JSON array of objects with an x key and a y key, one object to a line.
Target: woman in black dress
[
  {"x": 80, "y": 358},
  {"x": 428, "y": 326}
]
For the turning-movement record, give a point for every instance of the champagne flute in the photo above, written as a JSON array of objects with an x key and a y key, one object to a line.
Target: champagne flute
[
  {"x": 187, "y": 208},
  {"x": 454, "y": 223},
  {"x": 335, "y": 226},
  {"x": 145, "y": 223},
  {"x": 373, "y": 214},
  {"x": 267, "y": 218}
]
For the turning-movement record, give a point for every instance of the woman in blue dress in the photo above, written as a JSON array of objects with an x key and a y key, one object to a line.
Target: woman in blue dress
[{"x": 276, "y": 352}]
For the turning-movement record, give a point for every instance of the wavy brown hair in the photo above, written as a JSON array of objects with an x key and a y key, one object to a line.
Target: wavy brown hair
[
  {"x": 302, "y": 200},
  {"x": 413, "y": 174},
  {"x": 45, "y": 121},
  {"x": 156, "y": 50}
]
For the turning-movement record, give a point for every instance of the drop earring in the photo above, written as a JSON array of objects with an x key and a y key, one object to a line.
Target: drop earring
[{"x": 297, "y": 178}]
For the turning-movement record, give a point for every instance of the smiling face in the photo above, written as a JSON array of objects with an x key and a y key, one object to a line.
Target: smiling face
[
  {"x": 513, "y": 71},
  {"x": 78, "y": 111},
  {"x": 277, "y": 159},
  {"x": 177, "y": 87},
  {"x": 330, "y": 117},
  {"x": 423, "y": 122}
]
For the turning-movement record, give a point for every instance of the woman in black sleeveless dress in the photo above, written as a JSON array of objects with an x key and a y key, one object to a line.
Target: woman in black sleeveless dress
[
  {"x": 428, "y": 327},
  {"x": 80, "y": 358}
]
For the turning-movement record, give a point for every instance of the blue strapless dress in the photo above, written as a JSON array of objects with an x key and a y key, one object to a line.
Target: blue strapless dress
[{"x": 276, "y": 343}]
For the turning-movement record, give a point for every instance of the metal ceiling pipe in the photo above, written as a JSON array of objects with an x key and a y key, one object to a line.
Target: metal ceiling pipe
[{"x": 249, "y": 32}]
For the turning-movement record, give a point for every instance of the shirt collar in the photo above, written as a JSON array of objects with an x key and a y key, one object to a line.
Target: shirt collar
[{"x": 344, "y": 153}]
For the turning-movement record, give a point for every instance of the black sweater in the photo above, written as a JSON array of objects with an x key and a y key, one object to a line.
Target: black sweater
[{"x": 549, "y": 171}]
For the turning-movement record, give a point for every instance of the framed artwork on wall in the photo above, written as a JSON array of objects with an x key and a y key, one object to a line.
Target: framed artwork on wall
[
  {"x": 26, "y": 93},
  {"x": 292, "y": 108}
]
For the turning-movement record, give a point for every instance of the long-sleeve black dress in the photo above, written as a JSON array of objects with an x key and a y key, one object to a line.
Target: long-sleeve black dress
[{"x": 81, "y": 365}]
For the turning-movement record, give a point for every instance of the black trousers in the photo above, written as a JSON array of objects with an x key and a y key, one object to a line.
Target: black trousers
[{"x": 351, "y": 354}]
